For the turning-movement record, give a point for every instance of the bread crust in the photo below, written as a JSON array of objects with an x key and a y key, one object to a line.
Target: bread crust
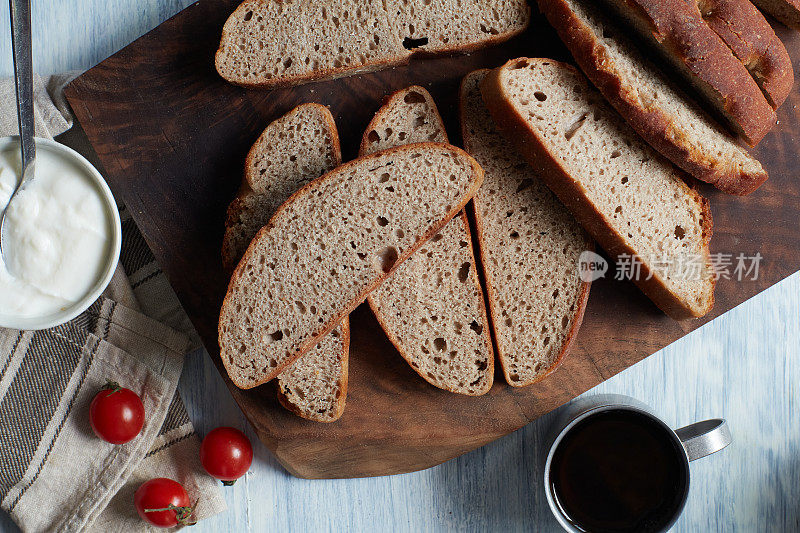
[
  {"x": 343, "y": 380},
  {"x": 787, "y": 11},
  {"x": 324, "y": 329},
  {"x": 325, "y": 74},
  {"x": 751, "y": 39},
  {"x": 516, "y": 129},
  {"x": 378, "y": 119},
  {"x": 657, "y": 127},
  {"x": 230, "y": 257},
  {"x": 583, "y": 298},
  {"x": 683, "y": 35}
]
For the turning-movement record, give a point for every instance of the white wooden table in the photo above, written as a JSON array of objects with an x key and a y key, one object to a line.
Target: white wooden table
[{"x": 744, "y": 366}]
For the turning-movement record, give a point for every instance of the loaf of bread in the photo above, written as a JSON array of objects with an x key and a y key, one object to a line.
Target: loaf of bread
[
  {"x": 751, "y": 39},
  {"x": 329, "y": 245},
  {"x": 677, "y": 33},
  {"x": 649, "y": 101},
  {"x": 629, "y": 198},
  {"x": 529, "y": 245},
  {"x": 300, "y": 146},
  {"x": 432, "y": 309},
  {"x": 272, "y": 43},
  {"x": 787, "y": 11}
]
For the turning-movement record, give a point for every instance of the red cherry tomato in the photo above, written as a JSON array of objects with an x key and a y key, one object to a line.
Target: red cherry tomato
[
  {"x": 226, "y": 454},
  {"x": 163, "y": 502},
  {"x": 116, "y": 414}
]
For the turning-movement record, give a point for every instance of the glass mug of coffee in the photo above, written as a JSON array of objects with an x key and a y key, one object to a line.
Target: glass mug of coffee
[{"x": 614, "y": 466}]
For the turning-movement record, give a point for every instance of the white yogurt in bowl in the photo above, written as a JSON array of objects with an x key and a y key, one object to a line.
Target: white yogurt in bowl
[{"x": 62, "y": 237}]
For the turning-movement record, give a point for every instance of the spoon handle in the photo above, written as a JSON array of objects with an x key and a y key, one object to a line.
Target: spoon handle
[{"x": 23, "y": 76}]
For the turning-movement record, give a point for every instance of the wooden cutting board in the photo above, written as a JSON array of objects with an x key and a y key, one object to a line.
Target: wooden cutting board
[{"x": 172, "y": 137}]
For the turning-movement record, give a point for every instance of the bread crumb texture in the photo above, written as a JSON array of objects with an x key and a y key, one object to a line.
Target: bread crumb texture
[
  {"x": 638, "y": 193},
  {"x": 273, "y": 42},
  {"x": 530, "y": 245},
  {"x": 331, "y": 244}
]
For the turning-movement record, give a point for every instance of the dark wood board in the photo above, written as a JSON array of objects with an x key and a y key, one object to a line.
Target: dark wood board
[{"x": 172, "y": 137}]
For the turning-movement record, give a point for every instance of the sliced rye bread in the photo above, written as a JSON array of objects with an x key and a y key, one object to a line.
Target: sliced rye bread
[
  {"x": 529, "y": 245},
  {"x": 650, "y": 102},
  {"x": 315, "y": 386},
  {"x": 327, "y": 247},
  {"x": 630, "y": 199},
  {"x": 272, "y": 43},
  {"x": 298, "y": 147},
  {"x": 676, "y": 32},
  {"x": 787, "y": 11},
  {"x": 751, "y": 39},
  {"x": 433, "y": 308}
]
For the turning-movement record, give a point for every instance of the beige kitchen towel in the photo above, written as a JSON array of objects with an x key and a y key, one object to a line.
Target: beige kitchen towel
[{"x": 55, "y": 475}]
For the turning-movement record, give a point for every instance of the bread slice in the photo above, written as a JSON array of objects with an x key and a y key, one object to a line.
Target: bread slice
[
  {"x": 630, "y": 199},
  {"x": 677, "y": 33},
  {"x": 433, "y": 309},
  {"x": 300, "y": 146},
  {"x": 751, "y": 39},
  {"x": 787, "y": 11},
  {"x": 529, "y": 245},
  {"x": 315, "y": 386},
  {"x": 649, "y": 100},
  {"x": 329, "y": 245},
  {"x": 272, "y": 43}
]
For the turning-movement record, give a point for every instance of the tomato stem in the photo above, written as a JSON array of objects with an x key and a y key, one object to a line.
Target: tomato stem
[
  {"x": 228, "y": 482},
  {"x": 113, "y": 386},
  {"x": 182, "y": 514}
]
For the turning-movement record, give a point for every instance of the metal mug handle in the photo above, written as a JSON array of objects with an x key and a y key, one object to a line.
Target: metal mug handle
[{"x": 704, "y": 438}]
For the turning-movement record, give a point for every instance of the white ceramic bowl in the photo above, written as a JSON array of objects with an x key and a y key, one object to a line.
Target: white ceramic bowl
[{"x": 65, "y": 315}]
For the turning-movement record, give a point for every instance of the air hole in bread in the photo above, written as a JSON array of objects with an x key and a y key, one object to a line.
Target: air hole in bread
[
  {"x": 400, "y": 233},
  {"x": 287, "y": 62},
  {"x": 413, "y": 97},
  {"x": 680, "y": 233},
  {"x": 300, "y": 307},
  {"x": 388, "y": 132},
  {"x": 440, "y": 344},
  {"x": 524, "y": 184},
  {"x": 382, "y": 221},
  {"x": 540, "y": 96},
  {"x": 410, "y": 44},
  {"x": 384, "y": 177},
  {"x": 420, "y": 121},
  {"x": 386, "y": 258},
  {"x": 520, "y": 64},
  {"x": 276, "y": 336},
  {"x": 515, "y": 235},
  {"x": 573, "y": 129},
  {"x": 248, "y": 16},
  {"x": 463, "y": 272},
  {"x": 615, "y": 154},
  {"x": 313, "y": 309},
  {"x": 477, "y": 328},
  {"x": 390, "y": 188},
  {"x": 373, "y": 137},
  {"x": 436, "y": 238},
  {"x": 624, "y": 180},
  {"x": 402, "y": 135}
]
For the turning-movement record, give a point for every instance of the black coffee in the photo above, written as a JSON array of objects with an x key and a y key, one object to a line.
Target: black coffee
[{"x": 618, "y": 471}]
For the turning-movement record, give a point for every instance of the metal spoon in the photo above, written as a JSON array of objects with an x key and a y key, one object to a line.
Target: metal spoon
[{"x": 23, "y": 76}]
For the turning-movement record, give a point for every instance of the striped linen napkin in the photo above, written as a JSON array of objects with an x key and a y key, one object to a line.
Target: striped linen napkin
[{"x": 55, "y": 475}]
